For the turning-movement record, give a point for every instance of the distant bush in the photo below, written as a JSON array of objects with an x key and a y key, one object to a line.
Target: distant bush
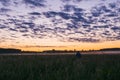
[
  {"x": 2, "y": 50},
  {"x": 110, "y": 49}
]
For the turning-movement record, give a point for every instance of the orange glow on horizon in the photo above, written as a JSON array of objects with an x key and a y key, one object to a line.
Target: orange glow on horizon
[{"x": 80, "y": 46}]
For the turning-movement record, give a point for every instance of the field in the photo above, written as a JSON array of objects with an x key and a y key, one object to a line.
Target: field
[{"x": 60, "y": 67}]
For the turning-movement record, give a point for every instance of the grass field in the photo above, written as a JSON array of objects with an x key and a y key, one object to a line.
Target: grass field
[{"x": 60, "y": 67}]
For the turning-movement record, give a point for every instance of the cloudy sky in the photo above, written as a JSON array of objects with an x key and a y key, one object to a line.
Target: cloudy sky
[{"x": 59, "y": 24}]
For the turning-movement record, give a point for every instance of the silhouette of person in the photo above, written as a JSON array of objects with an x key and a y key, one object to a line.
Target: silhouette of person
[{"x": 78, "y": 54}]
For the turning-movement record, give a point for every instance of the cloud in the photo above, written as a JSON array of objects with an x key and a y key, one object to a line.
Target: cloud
[
  {"x": 11, "y": 29},
  {"x": 112, "y": 5},
  {"x": 72, "y": 1},
  {"x": 71, "y": 23},
  {"x": 76, "y": 16},
  {"x": 29, "y": 23},
  {"x": 84, "y": 40},
  {"x": 4, "y": 10},
  {"x": 50, "y": 14},
  {"x": 105, "y": 26},
  {"x": 68, "y": 8},
  {"x": 2, "y": 26},
  {"x": 72, "y": 8},
  {"x": 112, "y": 14},
  {"x": 116, "y": 28},
  {"x": 5, "y": 2},
  {"x": 28, "y": 46},
  {"x": 34, "y": 13},
  {"x": 37, "y": 3}
]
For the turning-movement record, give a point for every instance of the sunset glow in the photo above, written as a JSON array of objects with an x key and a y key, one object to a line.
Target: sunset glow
[{"x": 38, "y": 25}]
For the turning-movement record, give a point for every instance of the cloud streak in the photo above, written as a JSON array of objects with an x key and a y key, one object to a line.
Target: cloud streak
[{"x": 39, "y": 3}]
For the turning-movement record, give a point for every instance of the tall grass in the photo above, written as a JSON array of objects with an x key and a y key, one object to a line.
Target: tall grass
[{"x": 60, "y": 67}]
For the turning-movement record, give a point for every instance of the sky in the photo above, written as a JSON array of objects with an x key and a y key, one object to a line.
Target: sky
[{"x": 38, "y": 25}]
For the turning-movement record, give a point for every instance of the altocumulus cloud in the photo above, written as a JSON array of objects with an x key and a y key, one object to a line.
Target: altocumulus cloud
[{"x": 69, "y": 23}]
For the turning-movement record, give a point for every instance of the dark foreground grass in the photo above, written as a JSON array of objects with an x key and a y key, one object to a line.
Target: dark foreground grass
[{"x": 64, "y": 67}]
